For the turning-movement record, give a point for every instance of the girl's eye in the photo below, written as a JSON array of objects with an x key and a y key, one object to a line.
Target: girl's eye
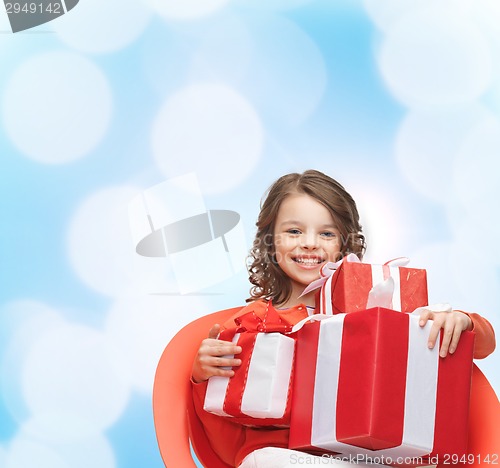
[
  {"x": 329, "y": 234},
  {"x": 293, "y": 231}
]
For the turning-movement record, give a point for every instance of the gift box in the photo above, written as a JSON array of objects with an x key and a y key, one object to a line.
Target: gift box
[
  {"x": 259, "y": 393},
  {"x": 350, "y": 286},
  {"x": 367, "y": 384}
]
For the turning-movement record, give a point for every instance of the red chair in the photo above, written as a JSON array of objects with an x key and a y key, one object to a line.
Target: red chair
[{"x": 176, "y": 422}]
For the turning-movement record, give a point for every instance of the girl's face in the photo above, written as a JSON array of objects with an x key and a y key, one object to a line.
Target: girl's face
[{"x": 305, "y": 237}]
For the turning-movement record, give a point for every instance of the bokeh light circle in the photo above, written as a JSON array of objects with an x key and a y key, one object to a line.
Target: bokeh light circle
[
  {"x": 486, "y": 14},
  {"x": 482, "y": 294},
  {"x": 102, "y": 251},
  {"x": 273, "y": 5},
  {"x": 62, "y": 114},
  {"x": 211, "y": 130},
  {"x": 140, "y": 327},
  {"x": 69, "y": 371},
  {"x": 475, "y": 174},
  {"x": 3, "y": 456},
  {"x": 99, "y": 27},
  {"x": 450, "y": 64},
  {"x": 25, "y": 452},
  {"x": 28, "y": 451},
  {"x": 95, "y": 451},
  {"x": 22, "y": 322},
  {"x": 384, "y": 223},
  {"x": 224, "y": 52},
  {"x": 185, "y": 9},
  {"x": 427, "y": 145},
  {"x": 50, "y": 426},
  {"x": 295, "y": 88},
  {"x": 436, "y": 258},
  {"x": 385, "y": 13},
  {"x": 476, "y": 188}
]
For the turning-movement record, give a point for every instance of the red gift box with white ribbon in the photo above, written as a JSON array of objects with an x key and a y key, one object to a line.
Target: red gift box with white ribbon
[
  {"x": 259, "y": 392},
  {"x": 350, "y": 286},
  {"x": 366, "y": 383}
]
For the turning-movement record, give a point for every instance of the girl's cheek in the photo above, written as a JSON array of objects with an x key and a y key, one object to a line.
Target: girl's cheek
[
  {"x": 332, "y": 244},
  {"x": 284, "y": 242}
]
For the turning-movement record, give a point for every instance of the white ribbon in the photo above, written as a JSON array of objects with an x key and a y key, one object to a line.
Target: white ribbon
[
  {"x": 269, "y": 374},
  {"x": 311, "y": 318},
  {"x": 385, "y": 292},
  {"x": 420, "y": 397},
  {"x": 381, "y": 294}
]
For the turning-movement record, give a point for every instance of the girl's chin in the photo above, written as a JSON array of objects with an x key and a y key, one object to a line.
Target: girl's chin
[{"x": 304, "y": 278}]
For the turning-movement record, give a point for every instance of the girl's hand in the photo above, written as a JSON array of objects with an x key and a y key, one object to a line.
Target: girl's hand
[
  {"x": 211, "y": 357},
  {"x": 453, "y": 324}
]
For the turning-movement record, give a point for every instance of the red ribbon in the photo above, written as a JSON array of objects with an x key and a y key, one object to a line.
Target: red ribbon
[{"x": 251, "y": 322}]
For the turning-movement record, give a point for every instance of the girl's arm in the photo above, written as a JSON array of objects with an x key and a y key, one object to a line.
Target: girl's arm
[{"x": 485, "y": 335}]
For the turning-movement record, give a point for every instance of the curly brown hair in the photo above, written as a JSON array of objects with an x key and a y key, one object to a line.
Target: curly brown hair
[{"x": 268, "y": 279}]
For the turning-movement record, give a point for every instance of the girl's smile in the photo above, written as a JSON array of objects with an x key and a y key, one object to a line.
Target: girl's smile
[{"x": 308, "y": 262}]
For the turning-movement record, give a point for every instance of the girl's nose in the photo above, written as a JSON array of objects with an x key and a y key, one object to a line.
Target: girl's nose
[{"x": 309, "y": 241}]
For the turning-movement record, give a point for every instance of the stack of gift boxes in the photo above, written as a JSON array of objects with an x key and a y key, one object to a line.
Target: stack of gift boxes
[{"x": 356, "y": 378}]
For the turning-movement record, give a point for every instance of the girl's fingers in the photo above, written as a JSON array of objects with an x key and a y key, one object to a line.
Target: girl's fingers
[
  {"x": 433, "y": 334},
  {"x": 221, "y": 372},
  {"x": 215, "y": 357},
  {"x": 456, "y": 338},
  {"x": 222, "y": 348},
  {"x": 223, "y": 362},
  {"x": 447, "y": 332},
  {"x": 424, "y": 317},
  {"x": 211, "y": 365},
  {"x": 451, "y": 325},
  {"x": 214, "y": 347}
]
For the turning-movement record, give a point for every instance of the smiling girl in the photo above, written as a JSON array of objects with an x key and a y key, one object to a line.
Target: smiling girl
[{"x": 305, "y": 221}]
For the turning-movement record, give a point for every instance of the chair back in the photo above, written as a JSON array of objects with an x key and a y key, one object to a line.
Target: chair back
[{"x": 176, "y": 422}]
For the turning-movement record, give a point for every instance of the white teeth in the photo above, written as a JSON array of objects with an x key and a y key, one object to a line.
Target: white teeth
[{"x": 308, "y": 261}]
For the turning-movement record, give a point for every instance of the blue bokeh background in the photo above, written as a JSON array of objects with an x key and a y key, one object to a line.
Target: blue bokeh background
[{"x": 399, "y": 102}]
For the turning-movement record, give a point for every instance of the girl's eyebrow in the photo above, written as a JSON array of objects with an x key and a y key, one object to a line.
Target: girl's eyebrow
[
  {"x": 298, "y": 223},
  {"x": 290, "y": 221}
]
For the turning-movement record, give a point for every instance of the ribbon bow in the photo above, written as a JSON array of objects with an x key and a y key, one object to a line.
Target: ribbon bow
[{"x": 251, "y": 322}]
